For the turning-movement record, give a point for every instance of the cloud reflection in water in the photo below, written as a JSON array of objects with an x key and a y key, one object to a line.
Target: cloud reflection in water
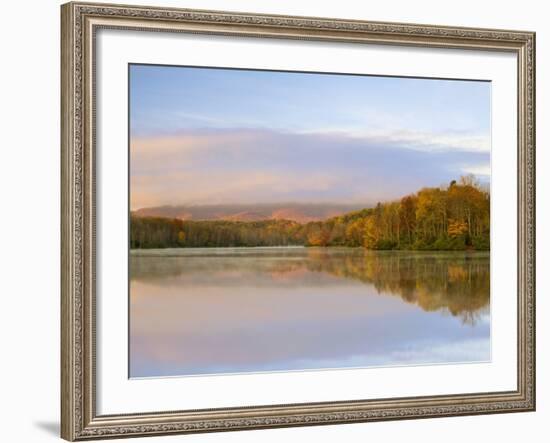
[{"x": 267, "y": 309}]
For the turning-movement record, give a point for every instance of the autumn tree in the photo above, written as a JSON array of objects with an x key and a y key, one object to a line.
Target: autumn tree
[{"x": 453, "y": 217}]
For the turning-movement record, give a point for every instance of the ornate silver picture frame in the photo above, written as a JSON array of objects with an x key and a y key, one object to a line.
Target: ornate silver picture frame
[{"x": 80, "y": 23}]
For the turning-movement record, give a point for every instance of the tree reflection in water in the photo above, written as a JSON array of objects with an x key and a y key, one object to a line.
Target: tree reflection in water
[{"x": 454, "y": 282}]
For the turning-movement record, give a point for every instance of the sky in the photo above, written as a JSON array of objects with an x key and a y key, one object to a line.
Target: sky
[{"x": 213, "y": 136}]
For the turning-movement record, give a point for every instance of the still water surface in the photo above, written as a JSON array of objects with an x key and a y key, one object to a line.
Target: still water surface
[{"x": 227, "y": 310}]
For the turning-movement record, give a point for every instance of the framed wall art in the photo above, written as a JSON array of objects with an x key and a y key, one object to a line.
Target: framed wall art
[{"x": 283, "y": 221}]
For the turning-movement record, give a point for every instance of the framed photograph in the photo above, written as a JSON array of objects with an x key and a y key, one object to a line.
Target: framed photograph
[{"x": 283, "y": 221}]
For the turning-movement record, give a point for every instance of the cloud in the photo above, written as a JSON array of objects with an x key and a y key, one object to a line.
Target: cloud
[
  {"x": 216, "y": 187},
  {"x": 418, "y": 140},
  {"x": 483, "y": 170},
  {"x": 430, "y": 142},
  {"x": 265, "y": 166}
]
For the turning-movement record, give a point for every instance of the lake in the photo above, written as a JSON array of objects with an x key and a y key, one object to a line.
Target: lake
[{"x": 231, "y": 310}]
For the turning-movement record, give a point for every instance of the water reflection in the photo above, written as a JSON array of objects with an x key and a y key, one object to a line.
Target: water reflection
[{"x": 239, "y": 310}]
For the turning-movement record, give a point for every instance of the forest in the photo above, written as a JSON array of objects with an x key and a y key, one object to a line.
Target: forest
[{"x": 452, "y": 217}]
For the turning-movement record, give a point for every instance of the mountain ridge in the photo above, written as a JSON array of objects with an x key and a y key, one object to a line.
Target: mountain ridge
[{"x": 299, "y": 212}]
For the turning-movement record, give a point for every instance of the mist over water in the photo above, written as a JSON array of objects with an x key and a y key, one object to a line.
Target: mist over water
[{"x": 229, "y": 310}]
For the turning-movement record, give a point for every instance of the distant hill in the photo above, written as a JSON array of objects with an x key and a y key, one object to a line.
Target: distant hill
[{"x": 299, "y": 212}]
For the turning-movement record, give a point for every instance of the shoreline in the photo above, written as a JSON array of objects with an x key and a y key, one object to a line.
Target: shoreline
[{"x": 197, "y": 250}]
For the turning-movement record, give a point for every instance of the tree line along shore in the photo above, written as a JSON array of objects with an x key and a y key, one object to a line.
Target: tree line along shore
[{"x": 452, "y": 217}]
